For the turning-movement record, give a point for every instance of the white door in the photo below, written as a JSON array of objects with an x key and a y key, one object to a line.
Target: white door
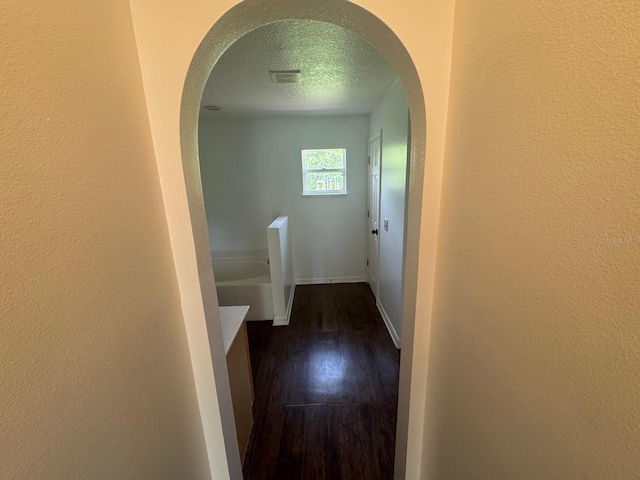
[{"x": 373, "y": 212}]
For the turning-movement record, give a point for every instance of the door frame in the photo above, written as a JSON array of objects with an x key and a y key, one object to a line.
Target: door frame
[{"x": 376, "y": 136}]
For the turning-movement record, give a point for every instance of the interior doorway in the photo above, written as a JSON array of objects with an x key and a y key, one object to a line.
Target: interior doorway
[
  {"x": 373, "y": 211},
  {"x": 305, "y": 92}
]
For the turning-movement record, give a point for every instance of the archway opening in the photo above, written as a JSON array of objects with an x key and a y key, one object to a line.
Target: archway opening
[
  {"x": 239, "y": 21},
  {"x": 318, "y": 249}
]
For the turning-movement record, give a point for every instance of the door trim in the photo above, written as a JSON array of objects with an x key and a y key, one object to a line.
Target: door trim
[{"x": 373, "y": 138}]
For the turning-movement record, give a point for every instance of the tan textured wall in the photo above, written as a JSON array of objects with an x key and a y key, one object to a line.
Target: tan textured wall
[
  {"x": 534, "y": 372},
  {"x": 95, "y": 373}
]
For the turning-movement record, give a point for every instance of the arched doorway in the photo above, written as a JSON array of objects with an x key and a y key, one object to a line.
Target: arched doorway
[{"x": 236, "y": 23}]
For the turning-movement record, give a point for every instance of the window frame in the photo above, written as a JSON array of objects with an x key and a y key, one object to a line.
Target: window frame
[{"x": 324, "y": 193}]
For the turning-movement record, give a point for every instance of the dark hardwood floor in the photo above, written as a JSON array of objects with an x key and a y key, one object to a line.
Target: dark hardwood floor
[{"x": 326, "y": 390}]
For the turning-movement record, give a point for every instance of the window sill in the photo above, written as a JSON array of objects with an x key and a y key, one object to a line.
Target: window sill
[{"x": 323, "y": 195}]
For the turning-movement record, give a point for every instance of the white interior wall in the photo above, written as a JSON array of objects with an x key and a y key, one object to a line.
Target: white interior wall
[
  {"x": 252, "y": 173},
  {"x": 391, "y": 116}
]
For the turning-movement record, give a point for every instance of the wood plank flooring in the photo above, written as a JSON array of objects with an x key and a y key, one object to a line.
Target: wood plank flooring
[{"x": 326, "y": 390}]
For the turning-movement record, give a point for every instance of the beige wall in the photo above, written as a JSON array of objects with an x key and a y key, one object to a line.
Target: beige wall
[
  {"x": 94, "y": 366},
  {"x": 534, "y": 352},
  {"x": 535, "y": 357}
]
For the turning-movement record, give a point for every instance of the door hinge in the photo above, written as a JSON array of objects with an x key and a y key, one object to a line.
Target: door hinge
[
  {"x": 367, "y": 213},
  {"x": 367, "y": 262},
  {"x": 368, "y": 160}
]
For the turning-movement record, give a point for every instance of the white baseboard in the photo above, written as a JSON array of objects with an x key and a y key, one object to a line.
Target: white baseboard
[
  {"x": 387, "y": 322},
  {"x": 320, "y": 280},
  {"x": 283, "y": 321}
]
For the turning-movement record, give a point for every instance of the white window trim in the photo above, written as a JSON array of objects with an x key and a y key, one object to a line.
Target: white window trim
[{"x": 324, "y": 193}]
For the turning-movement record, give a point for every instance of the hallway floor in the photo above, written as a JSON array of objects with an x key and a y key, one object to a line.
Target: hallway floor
[{"x": 326, "y": 389}]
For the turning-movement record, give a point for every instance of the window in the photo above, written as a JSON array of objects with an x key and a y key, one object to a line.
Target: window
[{"x": 324, "y": 172}]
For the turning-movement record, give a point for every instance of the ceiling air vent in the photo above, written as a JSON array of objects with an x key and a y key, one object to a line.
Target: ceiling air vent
[{"x": 284, "y": 76}]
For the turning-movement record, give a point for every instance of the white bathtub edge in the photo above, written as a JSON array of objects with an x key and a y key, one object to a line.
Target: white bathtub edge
[
  {"x": 239, "y": 255},
  {"x": 260, "y": 280}
]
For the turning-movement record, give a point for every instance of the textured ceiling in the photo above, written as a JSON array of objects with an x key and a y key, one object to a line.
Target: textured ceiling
[{"x": 340, "y": 72}]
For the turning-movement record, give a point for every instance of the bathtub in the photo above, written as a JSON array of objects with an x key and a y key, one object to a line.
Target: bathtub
[{"x": 245, "y": 282}]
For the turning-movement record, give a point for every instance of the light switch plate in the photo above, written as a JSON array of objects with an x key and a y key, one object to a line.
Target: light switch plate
[{"x": 386, "y": 224}]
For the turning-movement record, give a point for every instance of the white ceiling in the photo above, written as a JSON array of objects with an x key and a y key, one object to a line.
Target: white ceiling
[{"x": 340, "y": 73}]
